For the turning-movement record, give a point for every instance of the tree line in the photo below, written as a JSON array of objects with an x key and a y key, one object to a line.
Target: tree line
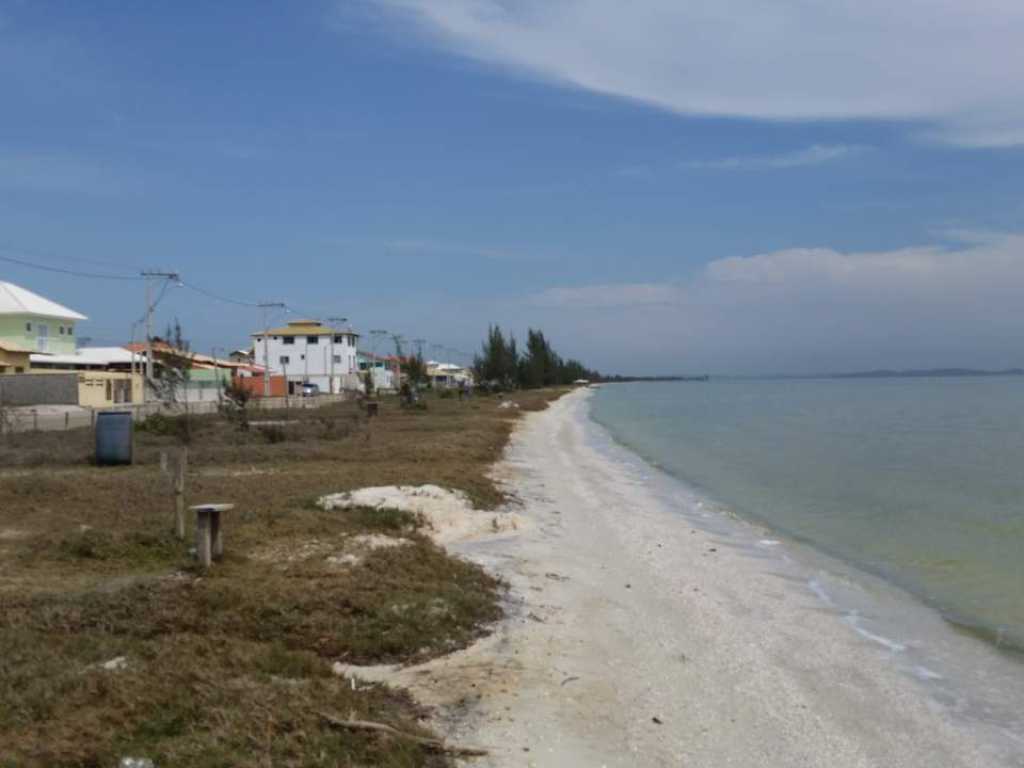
[{"x": 501, "y": 364}]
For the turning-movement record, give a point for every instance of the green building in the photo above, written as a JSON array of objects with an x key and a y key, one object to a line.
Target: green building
[{"x": 30, "y": 323}]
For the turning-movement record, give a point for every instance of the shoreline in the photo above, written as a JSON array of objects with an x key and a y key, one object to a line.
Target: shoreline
[
  {"x": 967, "y": 625},
  {"x": 637, "y": 636}
]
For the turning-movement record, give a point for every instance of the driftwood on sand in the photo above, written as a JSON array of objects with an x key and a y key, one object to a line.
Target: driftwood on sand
[{"x": 434, "y": 745}]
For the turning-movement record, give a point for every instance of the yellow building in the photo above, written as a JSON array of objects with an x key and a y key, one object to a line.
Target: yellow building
[
  {"x": 13, "y": 358},
  {"x": 105, "y": 389}
]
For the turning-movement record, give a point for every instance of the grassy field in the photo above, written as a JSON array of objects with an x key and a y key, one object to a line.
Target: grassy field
[{"x": 115, "y": 645}]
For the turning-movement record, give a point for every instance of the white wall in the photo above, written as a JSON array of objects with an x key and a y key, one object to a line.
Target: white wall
[{"x": 308, "y": 361}]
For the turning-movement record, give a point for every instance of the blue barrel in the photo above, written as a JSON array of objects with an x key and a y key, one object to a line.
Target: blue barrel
[{"x": 114, "y": 438}]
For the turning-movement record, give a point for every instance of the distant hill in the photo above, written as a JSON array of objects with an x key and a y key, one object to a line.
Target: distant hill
[
  {"x": 925, "y": 373},
  {"x": 618, "y": 379}
]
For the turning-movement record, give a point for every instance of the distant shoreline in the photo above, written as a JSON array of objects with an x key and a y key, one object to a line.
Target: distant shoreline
[{"x": 926, "y": 373}]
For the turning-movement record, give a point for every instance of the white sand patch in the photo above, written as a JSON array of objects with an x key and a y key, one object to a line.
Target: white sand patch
[
  {"x": 116, "y": 664},
  {"x": 448, "y": 516}
]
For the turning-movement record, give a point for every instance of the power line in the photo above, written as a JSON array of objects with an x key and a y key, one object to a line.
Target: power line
[
  {"x": 218, "y": 297},
  {"x": 74, "y": 272},
  {"x": 37, "y": 253}
]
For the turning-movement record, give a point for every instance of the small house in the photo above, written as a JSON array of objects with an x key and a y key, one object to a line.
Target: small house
[{"x": 31, "y": 323}]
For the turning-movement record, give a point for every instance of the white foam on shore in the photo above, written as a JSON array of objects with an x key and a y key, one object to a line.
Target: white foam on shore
[
  {"x": 854, "y": 620},
  {"x": 815, "y": 586}
]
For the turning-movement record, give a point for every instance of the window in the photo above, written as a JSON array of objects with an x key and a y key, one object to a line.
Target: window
[
  {"x": 312, "y": 339},
  {"x": 28, "y": 327},
  {"x": 110, "y": 395},
  {"x": 337, "y": 358},
  {"x": 288, "y": 339},
  {"x": 62, "y": 330},
  {"x": 284, "y": 360},
  {"x": 71, "y": 330}
]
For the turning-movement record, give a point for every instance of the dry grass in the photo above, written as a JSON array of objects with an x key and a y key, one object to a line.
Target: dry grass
[{"x": 230, "y": 668}]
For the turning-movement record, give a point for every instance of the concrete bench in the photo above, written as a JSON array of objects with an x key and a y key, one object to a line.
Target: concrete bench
[{"x": 209, "y": 532}]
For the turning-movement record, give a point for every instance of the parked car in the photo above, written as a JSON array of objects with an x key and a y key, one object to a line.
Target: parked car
[{"x": 310, "y": 390}]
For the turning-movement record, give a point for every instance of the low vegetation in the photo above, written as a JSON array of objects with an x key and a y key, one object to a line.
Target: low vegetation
[{"x": 115, "y": 645}]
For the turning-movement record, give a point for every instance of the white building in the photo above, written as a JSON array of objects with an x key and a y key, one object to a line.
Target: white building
[
  {"x": 307, "y": 351},
  {"x": 448, "y": 375},
  {"x": 385, "y": 370}
]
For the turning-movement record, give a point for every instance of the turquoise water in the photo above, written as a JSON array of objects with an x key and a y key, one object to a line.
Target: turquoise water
[{"x": 920, "y": 481}]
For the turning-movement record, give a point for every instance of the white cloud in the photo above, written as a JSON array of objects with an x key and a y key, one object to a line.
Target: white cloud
[
  {"x": 814, "y": 155},
  {"x": 811, "y": 309},
  {"x": 951, "y": 64}
]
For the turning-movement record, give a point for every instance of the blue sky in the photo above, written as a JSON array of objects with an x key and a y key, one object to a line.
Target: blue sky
[{"x": 659, "y": 189}]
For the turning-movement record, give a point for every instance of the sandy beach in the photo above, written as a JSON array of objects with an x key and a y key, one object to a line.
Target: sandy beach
[{"x": 637, "y": 639}]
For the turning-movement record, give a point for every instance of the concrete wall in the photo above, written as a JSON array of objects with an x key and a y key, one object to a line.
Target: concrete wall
[
  {"x": 57, "y": 418},
  {"x": 39, "y": 389}
]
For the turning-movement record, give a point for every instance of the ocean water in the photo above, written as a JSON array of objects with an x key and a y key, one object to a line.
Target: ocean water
[{"x": 917, "y": 481}]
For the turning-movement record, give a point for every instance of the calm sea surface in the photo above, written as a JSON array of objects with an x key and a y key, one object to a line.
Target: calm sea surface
[{"x": 920, "y": 481}]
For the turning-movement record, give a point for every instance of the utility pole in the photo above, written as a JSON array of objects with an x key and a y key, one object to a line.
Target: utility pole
[
  {"x": 419, "y": 346},
  {"x": 149, "y": 275},
  {"x": 332, "y": 321},
  {"x": 375, "y": 334},
  {"x": 264, "y": 306}
]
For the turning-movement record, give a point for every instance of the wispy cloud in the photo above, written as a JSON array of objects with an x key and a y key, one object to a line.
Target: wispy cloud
[
  {"x": 788, "y": 59},
  {"x": 814, "y": 155},
  {"x": 42, "y": 172}
]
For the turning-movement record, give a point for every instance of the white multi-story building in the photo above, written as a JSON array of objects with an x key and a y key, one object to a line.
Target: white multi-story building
[{"x": 307, "y": 351}]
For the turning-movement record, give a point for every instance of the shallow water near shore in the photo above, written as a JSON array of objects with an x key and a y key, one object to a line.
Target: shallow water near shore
[{"x": 899, "y": 504}]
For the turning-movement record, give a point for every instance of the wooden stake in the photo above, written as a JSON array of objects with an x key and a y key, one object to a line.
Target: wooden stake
[{"x": 179, "y": 494}]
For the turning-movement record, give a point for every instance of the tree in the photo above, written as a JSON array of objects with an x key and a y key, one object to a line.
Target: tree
[
  {"x": 415, "y": 370},
  {"x": 498, "y": 362},
  {"x": 541, "y": 367},
  {"x": 175, "y": 371},
  {"x": 235, "y": 402}
]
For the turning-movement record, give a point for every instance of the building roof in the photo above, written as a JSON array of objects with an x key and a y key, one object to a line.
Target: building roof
[
  {"x": 8, "y": 346},
  {"x": 444, "y": 367},
  {"x": 161, "y": 347},
  {"x": 89, "y": 356},
  {"x": 15, "y": 300},
  {"x": 306, "y": 328}
]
